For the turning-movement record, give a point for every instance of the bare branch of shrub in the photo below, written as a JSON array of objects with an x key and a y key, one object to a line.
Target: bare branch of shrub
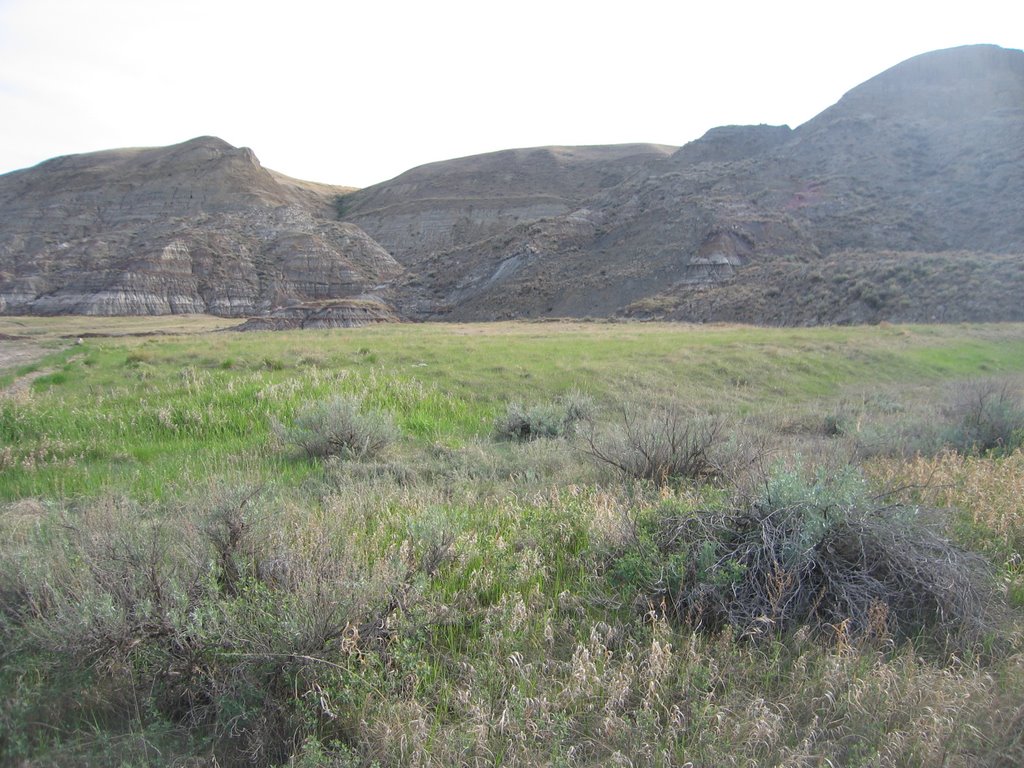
[
  {"x": 824, "y": 555},
  {"x": 660, "y": 445}
]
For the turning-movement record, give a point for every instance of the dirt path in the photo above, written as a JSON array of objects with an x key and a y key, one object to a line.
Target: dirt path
[
  {"x": 21, "y": 385},
  {"x": 14, "y": 354}
]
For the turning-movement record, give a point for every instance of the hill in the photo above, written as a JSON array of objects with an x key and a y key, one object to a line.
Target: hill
[
  {"x": 882, "y": 191},
  {"x": 900, "y": 202},
  {"x": 458, "y": 202},
  {"x": 196, "y": 227}
]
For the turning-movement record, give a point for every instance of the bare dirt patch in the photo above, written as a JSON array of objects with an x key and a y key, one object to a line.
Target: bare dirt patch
[
  {"x": 14, "y": 354},
  {"x": 21, "y": 385}
]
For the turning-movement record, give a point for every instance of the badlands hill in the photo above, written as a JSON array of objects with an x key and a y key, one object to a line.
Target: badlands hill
[
  {"x": 900, "y": 202},
  {"x": 196, "y": 227}
]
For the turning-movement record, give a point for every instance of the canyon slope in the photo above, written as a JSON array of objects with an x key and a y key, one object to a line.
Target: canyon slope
[{"x": 900, "y": 202}]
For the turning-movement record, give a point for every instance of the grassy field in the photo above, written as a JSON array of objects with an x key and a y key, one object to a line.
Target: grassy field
[{"x": 186, "y": 581}]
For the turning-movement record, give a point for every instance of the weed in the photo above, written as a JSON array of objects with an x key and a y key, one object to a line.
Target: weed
[
  {"x": 50, "y": 380},
  {"x": 137, "y": 357}
]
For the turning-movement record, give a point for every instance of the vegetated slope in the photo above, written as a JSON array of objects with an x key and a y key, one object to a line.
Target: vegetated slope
[
  {"x": 196, "y": 227},
  {"x": 889, "y": 197}
]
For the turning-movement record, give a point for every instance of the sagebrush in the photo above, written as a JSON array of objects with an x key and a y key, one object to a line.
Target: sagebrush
[
  {"x": 818, "y": 553},
  {"x": 341, "y": 426},
  {"x": 660, "y": 444}
]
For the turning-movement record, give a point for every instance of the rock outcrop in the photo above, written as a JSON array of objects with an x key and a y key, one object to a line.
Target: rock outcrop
[
  {"x": 196, "y": 227},
  {"x": 341, "y": 313}
]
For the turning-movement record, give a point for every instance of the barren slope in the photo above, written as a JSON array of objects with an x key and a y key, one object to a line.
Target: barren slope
[
  {"x": 926, "y": 158},
  {"x": 458, "y": 202},
  {"x": 196, "y": 227},
  {"x": 902, "y": 201}
]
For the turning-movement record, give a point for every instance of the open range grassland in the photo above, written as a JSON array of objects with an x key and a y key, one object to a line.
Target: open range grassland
[{"x": 511, "y": 544}]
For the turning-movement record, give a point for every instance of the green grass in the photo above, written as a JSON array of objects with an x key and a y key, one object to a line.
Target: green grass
[
  {"x": 140, "y": 415},
  {"x": 175, "y": 585}
]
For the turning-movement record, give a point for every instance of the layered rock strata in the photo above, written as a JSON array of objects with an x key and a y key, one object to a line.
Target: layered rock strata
[{"x": 197, "y": 227}]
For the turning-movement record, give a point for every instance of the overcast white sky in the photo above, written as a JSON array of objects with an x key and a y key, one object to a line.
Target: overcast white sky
[{"x": 357, "y": 92}]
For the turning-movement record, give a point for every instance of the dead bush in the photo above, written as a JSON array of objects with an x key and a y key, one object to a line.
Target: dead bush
[
  {"x": 661, "y": 445},
  {"x": 811, "y": 552}
]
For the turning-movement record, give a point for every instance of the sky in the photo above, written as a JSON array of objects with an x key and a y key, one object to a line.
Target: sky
[{"x": 356, "y": 92}]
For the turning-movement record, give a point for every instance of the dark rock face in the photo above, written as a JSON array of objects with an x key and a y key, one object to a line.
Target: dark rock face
[{"x": 196, "y": 227}]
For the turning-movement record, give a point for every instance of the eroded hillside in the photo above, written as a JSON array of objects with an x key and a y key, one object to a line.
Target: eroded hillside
[{"x": 900, "y": 202}]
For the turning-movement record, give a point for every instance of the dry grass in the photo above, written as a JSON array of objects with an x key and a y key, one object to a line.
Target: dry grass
[
  {"x": 50, "y": 328},
  {"x": 987, "y": 492}
]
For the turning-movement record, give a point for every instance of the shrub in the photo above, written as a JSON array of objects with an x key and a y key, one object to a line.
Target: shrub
[
  {"x": 556, "y": 419},
  {"x": 339, "y": 427},
  {"x": 816, "y": 552},
  {"x": 660, "y": 445},
  {"x": 981, "y": 417},
  {"x": 228, "y": 530},
  {"x": 244, "y": 637},
  {"x": 987, "y": 417}
]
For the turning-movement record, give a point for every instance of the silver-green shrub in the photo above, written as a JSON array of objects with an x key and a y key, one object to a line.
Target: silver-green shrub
[{"x": 339, "y": 427}]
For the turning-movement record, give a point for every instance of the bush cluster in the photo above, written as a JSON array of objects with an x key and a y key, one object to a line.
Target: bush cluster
[
  {"x": 545, "y": 420},
  {"x": 816, "y": 552},
  {"x": 983, "y": 417},
  {"x": 206, "y": 627}
]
